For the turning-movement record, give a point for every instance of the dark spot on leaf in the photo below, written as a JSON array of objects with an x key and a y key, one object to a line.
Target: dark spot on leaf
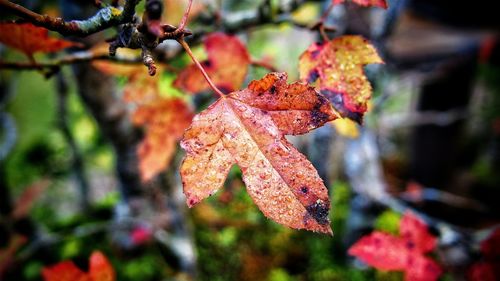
[
  {"x": 314, "y": 54},
  {"x": 313, "y": 75},
  {"x": 337, "y": 100},
  {"x": 318, "y": 118},
  {"x": 304, "y": 189},
  {"x": 206, "y": 63},
  {"x": 272, "y": 90},
  {"x": 410, "y": 245},
  {"x": 319, "y": 211}
]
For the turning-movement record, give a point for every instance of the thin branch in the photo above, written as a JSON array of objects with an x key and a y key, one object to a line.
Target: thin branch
[
  {"x": 200, "y": 67},
  {"x": 103, "y": 19},
  {"x": 185, "y": 17},
  {"x": 263, "y": 64}
]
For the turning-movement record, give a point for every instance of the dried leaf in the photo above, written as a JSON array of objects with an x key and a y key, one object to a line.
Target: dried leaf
[
  {"x": 365, "y": 3},
  {"x": 338, "y": 67},
  {"x": 227, "y": 65},
  {"x": 164, "y": 119},
  {"x": 405, "y": 252},
  {"x": 247, "y": 128},
  {"x": 30, "y": 39}
]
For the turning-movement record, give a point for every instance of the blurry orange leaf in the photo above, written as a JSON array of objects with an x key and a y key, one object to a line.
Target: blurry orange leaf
[
  {"x": 164, "y": 119},
  {"x": 28, "y": 198},
  {"x": 175, "y": 9},
  {"x": 248, "y": 128},
  {"x": 30, "y": 39},
  {"x": 338, "y": 67},
  {"x": 366, "y": 3},
  {"x": 404, "y": 253},
  {"x": 99, "y": 270},
  {"x": 227, "y": 65}
]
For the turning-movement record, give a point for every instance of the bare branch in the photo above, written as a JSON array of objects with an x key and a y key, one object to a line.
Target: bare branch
[{"x": 103, "y": 19}]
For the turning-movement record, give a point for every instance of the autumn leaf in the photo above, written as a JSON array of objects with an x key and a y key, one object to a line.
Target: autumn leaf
[
  {"x": 247, "y": 128},
  {"x": 175, "y": 9},
  {"x": 28, "y": 198},
  {"x": 164, "y": 118},
  {"x": 7, "y": 254},
  {"x": 227, "y": 65},
  {"x": 99, "y": 270},
  {"x": 30, "y": 39},
  {"x": 488, "y": 268},
  {"x": 365, "y": 3},
  {"x": 403, "y": 253},
  {"x": 165, "y": 121},
  {"x": 337, "y": 65}
]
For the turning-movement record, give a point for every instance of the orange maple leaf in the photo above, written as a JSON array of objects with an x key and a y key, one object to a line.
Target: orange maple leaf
[
  {"x": 30, "y": 39},
  {"x": 164, "y": 119},
  {"x": 227, "y": 65},
  {"x": 365, "y": 3},
  {"x": 248, "y": 128},
  {"x": 338, "y": 67},
  {"x": 99, "y": 270}
]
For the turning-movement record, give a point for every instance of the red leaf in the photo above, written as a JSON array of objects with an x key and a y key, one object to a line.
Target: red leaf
[
  {"x": 490, "y": 247},
  {"x": 64, "y": 271},
  {"x": 165, "y": 119},
  {"x": 28, "y": 198},
  {"x": 381, "y": 250},
  {"x": 100, "y": 268},
  {"x": 406, "y": 252},
  {"x": 227, "y": 65},
  {"x": 247, "y": 128},
  {"x": 365, "y": 3},
  {"x": 421, "y": 268},
  {"x": 30, "y": 39},
  {"x": 338, "y": 67},
  {"x": 482, "y": 271},
  {"x": 414, "y": 230}
]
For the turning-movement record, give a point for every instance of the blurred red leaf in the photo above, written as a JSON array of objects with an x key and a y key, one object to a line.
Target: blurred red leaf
[
  {"x": 404, "y": 253},
  {"x": 488, "y": 269},
  {"x": 99, "y": 270},
  {"x": 247, "y": 128},
  {"x": 164, "y": 118},
  {"x": 30, "y": 39},
  {"x": 338, "y": 67},
  {"x": 366, "y": 3},
  {"x": 64, "y": 271},
  {"x": 28, "y": 198},
  {"x": 227, "y": 65},
  {"x": 7, "y": 254}
]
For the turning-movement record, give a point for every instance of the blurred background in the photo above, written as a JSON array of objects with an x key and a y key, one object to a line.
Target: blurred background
[{"x": 430, "y": 143}]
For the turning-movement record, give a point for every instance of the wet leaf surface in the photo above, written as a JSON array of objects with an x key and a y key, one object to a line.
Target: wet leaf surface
[
  {"x": 337, "y": 66},
  {"x": 247, "y": 128}
]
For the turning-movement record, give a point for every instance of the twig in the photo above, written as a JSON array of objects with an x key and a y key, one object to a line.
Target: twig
[
  {"x": 263, "y": 64},
  {"x": 103, "y": 19},
  {"x": 200, "y": 67}
]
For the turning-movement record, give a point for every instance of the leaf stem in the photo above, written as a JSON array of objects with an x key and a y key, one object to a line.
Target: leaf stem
[
  {"x": 200, "y": 67},
  {"x": 185, "y": 17}
]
